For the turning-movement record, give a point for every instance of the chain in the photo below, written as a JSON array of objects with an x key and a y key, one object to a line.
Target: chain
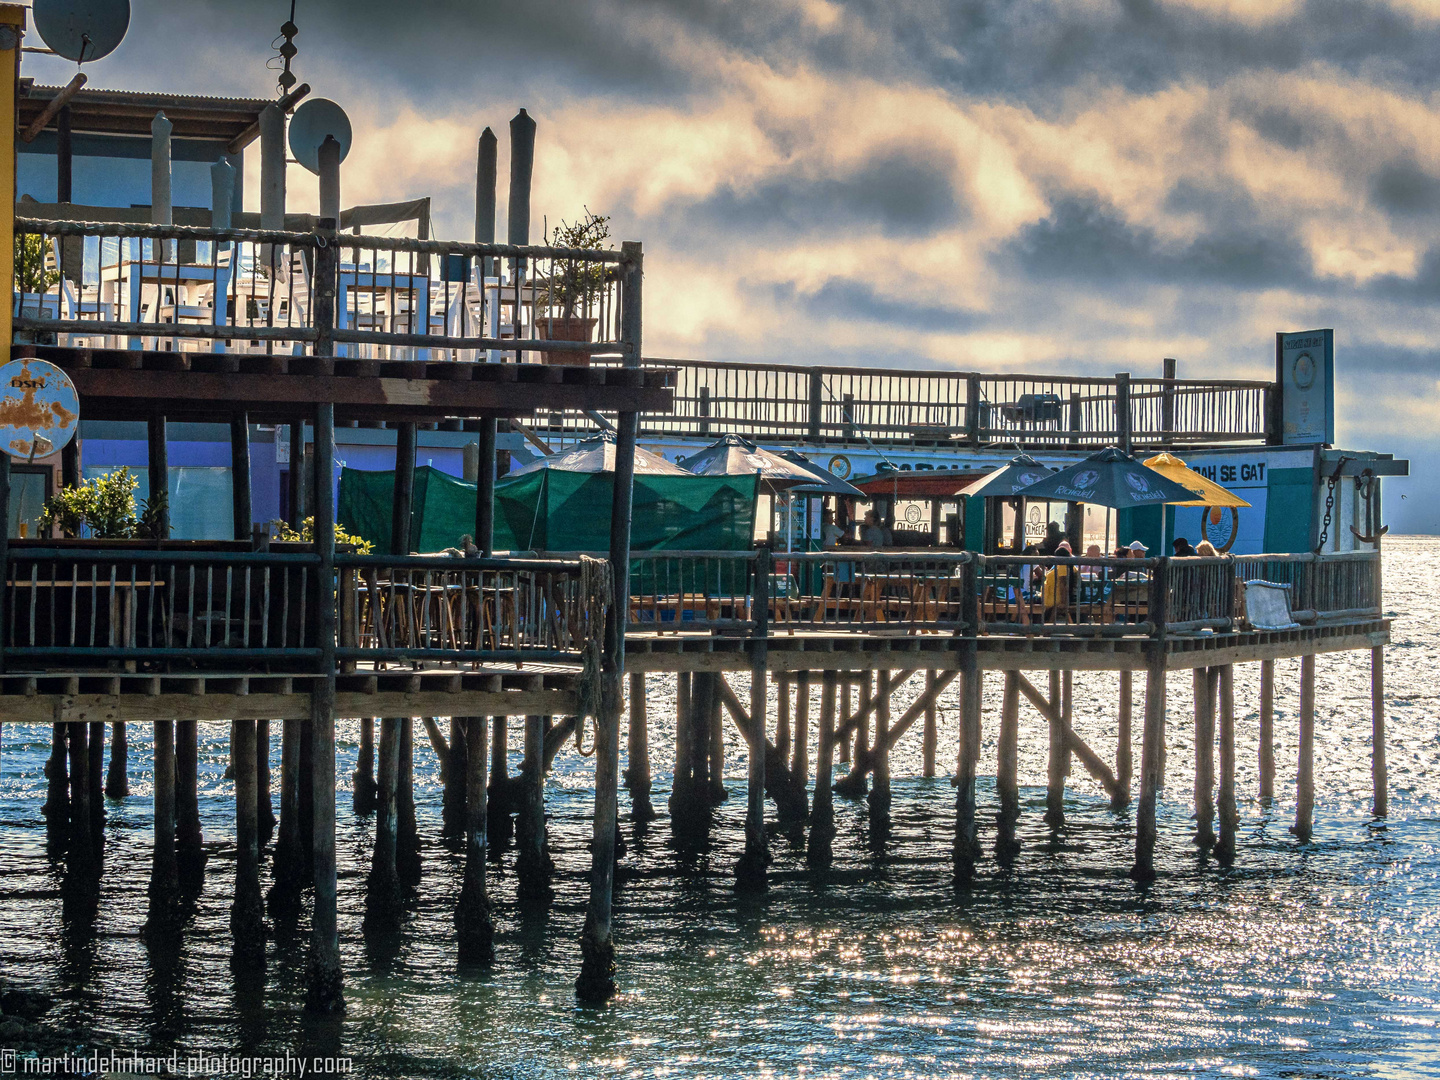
[{"x": 1329, "y": 505}]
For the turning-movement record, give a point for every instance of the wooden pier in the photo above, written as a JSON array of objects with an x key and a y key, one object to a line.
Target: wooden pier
[{"x": 277, "y": 638}]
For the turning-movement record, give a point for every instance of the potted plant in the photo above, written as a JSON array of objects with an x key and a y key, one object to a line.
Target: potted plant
[{"x": 573, "y": 287}]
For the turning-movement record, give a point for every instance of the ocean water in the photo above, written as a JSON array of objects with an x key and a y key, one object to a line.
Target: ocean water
[{"x": 1313, "y": 960}]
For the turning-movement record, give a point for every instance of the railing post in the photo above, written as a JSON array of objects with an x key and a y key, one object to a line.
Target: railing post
[
  {"x": 973, "y": 405},
  {"x": 485, "y": 488},
  {"x": 817, "y": 406},
  {"x": 1167, "y": 401},
  {"x": 322, "y": 305},
  {"x": 704, "y": 409},
  {"x": 1122, "y": 411},
  {"x": 847, "y": 416},
  {"x": 1074, "y": 422}
]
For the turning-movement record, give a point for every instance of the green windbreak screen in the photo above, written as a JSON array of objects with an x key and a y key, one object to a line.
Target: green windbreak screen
[{"x": 551, "y": 510}]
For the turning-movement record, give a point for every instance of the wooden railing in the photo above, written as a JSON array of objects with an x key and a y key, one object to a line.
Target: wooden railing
[
  {"x": 129, "y": 608},
  {"x": 869, "y": 591},
  {"x": 134, "y": 609},
  {"x": 182, "y": 288},
  {"x": 820, "y": 404}
]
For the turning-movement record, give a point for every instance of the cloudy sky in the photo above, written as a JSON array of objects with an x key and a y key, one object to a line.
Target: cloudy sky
[{"x": 1066, "y": 186}]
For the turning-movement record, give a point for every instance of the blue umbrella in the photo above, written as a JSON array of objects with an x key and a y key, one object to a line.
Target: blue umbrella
[{"x": 1010, "y": 479}]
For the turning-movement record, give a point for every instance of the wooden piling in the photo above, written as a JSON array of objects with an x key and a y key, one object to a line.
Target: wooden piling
[
  {"x": 596, "y": 981},
  {"x": 704, "y": 688},
  {"x": 1059, "y": 757},
  {"x": 1229, "y": 814},
  {"x": 847, "y": 683},
  {"x": 637, "y": 770},
  {"x": 800, "y": 752},
  {"x": 681, "y": 778},
  {"x": 931, "y": 733},
  {"x": 164, "y": 870},
  {"x": 454, "y": 771},
  {"x": 1379, "y": 770},
  {"x": 1267, "y": 732},
  {"x": 1151, "y": 780},
  {"x": 715, "y": 766},
  {"x": 82, "y": 837},
  {"x": 1204, "y": 682},
  {"x": 117, "y": 780},
  {"x": 305, "y": 800},
  {"x": 498, "y": 827},
  {"x": 533, "y": 865},
  {"x": 266, "y": 809},
  {"x": 750, "y": 872},
  {"x": 382, "y": 888},
  {"x": 189, "y": 843},
  {"x": 822, "y": 813},
  {"x": 57, "y": 791},
  {"x": 1152, "y": 744},
  {"x": 95, "y": 759},
  {"x": 880, "y": 798},
  {"x": 474, "y": 926},
  {"x": 247, "y": 908},
  {"x": 324, "y": 989},
  {"x": 1305, "y": 769},
  {"x": 1007, "y": 769},
  {"x": 782, "y": 714},
  {"x": 1124, "y": 743},
  {"x": 407, "y": 836},
  {"x": 363, "y": 798},
  {"x": 288, "y": 862},
  {"x": 967, "y": 843}
]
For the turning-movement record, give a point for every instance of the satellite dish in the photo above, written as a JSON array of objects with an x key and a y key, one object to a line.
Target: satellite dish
[
  {"x": 82, "y": 30},
  {"x": 311, "y": 123},
  {"x": 39, "y": 409}
]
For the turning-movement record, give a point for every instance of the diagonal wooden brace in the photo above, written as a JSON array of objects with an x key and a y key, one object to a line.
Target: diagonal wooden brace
[{"x": 1092, "y": 761}]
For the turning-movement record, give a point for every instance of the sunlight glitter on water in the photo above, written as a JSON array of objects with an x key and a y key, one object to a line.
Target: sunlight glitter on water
[{"x": 1318, "y": 960}]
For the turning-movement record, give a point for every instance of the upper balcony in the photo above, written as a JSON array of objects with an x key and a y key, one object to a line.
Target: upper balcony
[{"x": 385, "y": 328}]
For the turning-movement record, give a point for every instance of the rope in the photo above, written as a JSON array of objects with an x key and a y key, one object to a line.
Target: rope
[{"x": 597, "y": 592}]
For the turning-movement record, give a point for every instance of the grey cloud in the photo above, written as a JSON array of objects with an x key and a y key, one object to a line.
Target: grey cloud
[
  {"x": 1083, "y": 241},
  {"x": 1402, "y": 187},
  {"x": 857, "y": 301},
  {"x": 904, "y": 192}
]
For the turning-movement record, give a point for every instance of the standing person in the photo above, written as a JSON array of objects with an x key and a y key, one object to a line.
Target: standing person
[
  {"x": 872, "y": 534},
  {"x": 1054, "y": 537}
]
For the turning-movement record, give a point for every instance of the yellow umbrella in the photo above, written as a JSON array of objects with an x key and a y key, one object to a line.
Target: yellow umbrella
[{"x": 1209, "y": 492}]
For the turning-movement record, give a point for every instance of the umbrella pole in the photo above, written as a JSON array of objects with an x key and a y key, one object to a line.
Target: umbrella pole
[{"x": 789, "y": 521}]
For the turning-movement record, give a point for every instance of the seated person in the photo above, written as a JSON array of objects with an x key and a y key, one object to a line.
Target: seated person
[
  {"x": 1182, "y": 548},
  {"x": 1058, "y": 580},
  {"x": 1206, "y": 550}
]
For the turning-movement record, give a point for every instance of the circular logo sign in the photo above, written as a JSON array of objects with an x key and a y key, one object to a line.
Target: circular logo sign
[
  {"x": 1304, "y": 371},
  {"x": 1220, "y": 525},
  {"x": 1085, "y": 478},
  {"x": 39, "y": 408},
  {"x": 912, "y": 514},
  {"x": 840, "y": 466},
  {"x": 1028, "y": 478},
  {"x": 1137, "y": 483}
]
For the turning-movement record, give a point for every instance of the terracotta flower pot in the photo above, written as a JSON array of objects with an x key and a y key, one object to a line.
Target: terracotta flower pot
[{"x": 563, "y": 328}]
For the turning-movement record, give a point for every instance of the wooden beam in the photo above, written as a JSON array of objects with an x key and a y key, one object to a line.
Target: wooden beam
[
  {"x": 147, "y": 708},
  {"x": 1094, "y": 764},
  {"x": 251, "y": 133},
  {"x": 53, "y": 106}
]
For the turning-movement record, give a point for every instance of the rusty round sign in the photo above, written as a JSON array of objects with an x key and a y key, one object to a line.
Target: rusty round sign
[{"x": 39, "y": 408}]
